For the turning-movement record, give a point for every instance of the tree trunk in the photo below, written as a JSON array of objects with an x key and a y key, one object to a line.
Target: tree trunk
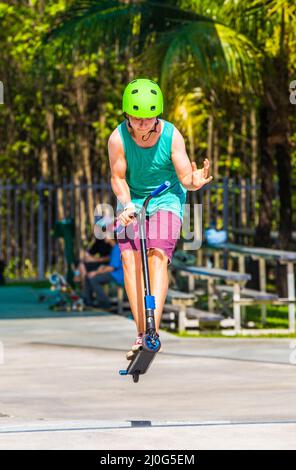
[
  {"x": 44, "y": 164},
  {"x": 49, "y": 118},
  {"x": 190, "y": 134},
  {"x": 254, "y": 157},
  {"x": 83, "y": 140},
  {"x": 230, "y": 147},
  {"x": 279, "y": 140},
  {"x": 216, "y": 154},
  {"x": 210, "y": 137},
  {"x": 275, "y": 130},
  {"x": 245, "y": 171},
  {"x": 266, "y": 170},
  {"x": 103, "y": 160}
]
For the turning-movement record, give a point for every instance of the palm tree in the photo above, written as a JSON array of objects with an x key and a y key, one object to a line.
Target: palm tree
[
  {"x": 271, "y": 27},
  {"x": 165, "y": 35},
  {"x": 164, "y": 40},
  {"x": 161, "y": 39}
]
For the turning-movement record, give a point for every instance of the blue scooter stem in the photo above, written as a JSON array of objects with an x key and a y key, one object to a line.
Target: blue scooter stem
[{"x": 150, "y": 341}]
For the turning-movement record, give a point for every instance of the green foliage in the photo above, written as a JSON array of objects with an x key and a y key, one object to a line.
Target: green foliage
[
  {"x": 213, "y": 47},
  {"x": 65, "y": 63}
]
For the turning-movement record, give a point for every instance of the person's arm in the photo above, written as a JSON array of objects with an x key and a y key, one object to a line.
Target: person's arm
[
  {"x": 106, "y": 269},
  {"x": 96, "y": 258},
  {"x": 189, "y": 176},
  {"x": 101, "y": 269},
  {"x": 118, "y": 176},
  {"x": 118, "y": 168},
  {"x": 103, "y": 259}
]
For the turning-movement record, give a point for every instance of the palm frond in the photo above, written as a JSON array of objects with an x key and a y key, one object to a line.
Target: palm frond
[
  {"x": 89, "y": 23},
  {"x": 167, "y": 37},
  {"x": 220, "y": 55}
]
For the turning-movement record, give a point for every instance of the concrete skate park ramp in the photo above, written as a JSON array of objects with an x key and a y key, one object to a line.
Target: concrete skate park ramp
[{"x": 60, "y": 387}]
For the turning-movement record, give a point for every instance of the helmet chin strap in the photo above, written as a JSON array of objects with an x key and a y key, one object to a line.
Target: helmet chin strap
[
  {"x": 149, "y": 132},
  {"x": 152, "y": 130}
]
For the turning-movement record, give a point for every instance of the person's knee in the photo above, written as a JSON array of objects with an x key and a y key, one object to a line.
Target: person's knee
[
  {"x": 130, "y": 259},
  {"x": 127, "y": 255},
  {"x": 158, "y": 257}
]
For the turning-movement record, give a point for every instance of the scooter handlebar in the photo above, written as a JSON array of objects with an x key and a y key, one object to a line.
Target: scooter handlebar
[
  {"x": 160, "y": 188},
  {"x": 156, "y": 191}
]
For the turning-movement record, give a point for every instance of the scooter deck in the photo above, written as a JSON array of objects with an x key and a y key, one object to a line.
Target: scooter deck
[
  {"x": 140, "y": 364},
  {"x": 141, "y": 361}
]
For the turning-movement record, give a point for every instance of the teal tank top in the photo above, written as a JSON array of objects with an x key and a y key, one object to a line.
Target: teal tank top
[{"x": 147, "y": 168}]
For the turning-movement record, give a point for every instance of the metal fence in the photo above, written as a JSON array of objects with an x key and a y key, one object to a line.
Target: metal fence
[{"x": 28, "y": 213}]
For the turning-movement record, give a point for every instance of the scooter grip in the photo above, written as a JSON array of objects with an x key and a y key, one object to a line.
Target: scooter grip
[
  {"x": 160, "y": 188},
  {"x": 120, "y": 227}
]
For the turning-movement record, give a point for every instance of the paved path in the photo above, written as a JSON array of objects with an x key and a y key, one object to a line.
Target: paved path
[{"x": 60, "y": 388}]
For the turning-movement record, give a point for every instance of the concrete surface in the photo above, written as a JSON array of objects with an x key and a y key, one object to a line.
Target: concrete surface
[{"x": 60, "y": 389}]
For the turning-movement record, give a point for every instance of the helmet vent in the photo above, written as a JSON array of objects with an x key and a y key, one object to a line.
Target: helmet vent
[
  {"x": 134, "y": 91},
  {"x": 154, "y": 92},
  {"x": 134, "y": 81},
  {"x": 135, "y": 107},
  {"x": 152, "y": 108}
]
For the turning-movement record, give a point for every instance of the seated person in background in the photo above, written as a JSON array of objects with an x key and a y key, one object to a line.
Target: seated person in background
[
  {"x": 97, "y": 253},
  {"x": 104, "y": 274}
]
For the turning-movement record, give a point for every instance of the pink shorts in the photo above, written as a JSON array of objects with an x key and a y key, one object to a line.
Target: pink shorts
[{"x": 162, "y": 231}]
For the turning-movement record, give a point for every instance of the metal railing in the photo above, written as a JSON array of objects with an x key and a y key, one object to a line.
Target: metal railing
[{"x": 28, "y": 213}]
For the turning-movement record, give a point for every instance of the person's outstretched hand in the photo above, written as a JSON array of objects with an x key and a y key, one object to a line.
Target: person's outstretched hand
[{"x": 201, "y": 177}]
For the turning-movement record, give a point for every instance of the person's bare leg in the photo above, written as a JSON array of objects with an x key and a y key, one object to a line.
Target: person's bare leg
[
  {"x": 134, "y": 286},
  {"x": 159, "y": 281}
]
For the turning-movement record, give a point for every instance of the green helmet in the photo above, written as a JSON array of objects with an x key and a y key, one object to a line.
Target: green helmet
[{"x": 142, "y": 98}]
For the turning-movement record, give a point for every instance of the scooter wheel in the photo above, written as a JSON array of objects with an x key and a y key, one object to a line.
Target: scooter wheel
[
  {"x": 136, "y": 378},
  {"x": 150, "y": 345}
]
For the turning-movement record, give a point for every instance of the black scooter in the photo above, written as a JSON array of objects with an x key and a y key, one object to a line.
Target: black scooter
[{"x": 150, "y": 343}]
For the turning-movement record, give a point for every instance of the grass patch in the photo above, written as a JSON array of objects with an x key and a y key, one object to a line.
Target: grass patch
[
  {"x": 276, "y": 317},
  {"x": 216, "y": 334}
]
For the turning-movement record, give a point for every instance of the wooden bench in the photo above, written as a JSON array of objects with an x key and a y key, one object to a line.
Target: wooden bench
[
  {"x": 178, "y": 297},
  {"x": 252, "y": 296},
  {"x": 180, "y": 319},
  {"x": 287, "y": 258},
  {"x": 180, "y": 314},
  {"x": 176, "y": 310},
  {"x": 249, "y": 297},
  {"x": 212, "y": 275}
]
